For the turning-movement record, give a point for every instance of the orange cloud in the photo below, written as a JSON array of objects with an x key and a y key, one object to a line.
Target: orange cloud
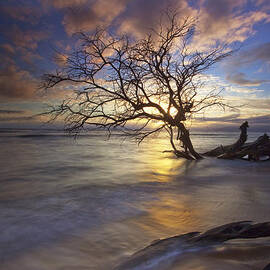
[
  {"x": 26, "y": 39},
  {"x": 143, "y": 15},
  {"x": 8, "y": 48},
  {"x": 60, "y": 59},
  {"x": 86, "y": 15},
  {"x": 22, "y": 13},
  {"x": 29, "y": 57},
  {"x": 16, "y": 84},
  {"x": 59, "y": 4}
]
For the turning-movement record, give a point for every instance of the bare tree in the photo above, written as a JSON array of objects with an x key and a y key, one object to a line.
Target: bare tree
[{"x": 142, "y": 86}]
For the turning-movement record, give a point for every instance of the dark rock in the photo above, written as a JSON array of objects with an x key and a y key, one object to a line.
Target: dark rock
[
  {"x": 161, "y": 250},
  {"x": 267, "y": 267}
]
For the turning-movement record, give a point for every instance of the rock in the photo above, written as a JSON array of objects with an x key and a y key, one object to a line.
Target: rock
[
  {"x": 267, "y": 267},
  {"x": 162, "y": 250}
]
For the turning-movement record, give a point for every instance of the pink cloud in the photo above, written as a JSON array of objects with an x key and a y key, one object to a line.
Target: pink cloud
[
  {"x": 8, "y": 48},
  {"x": 240, "y": 78},
  {"x": 59, "y": 4},
  {"x": 86, "y": 15},
  {"x": 29, "y": 57},
  {"x": 19, "y": 85},
  {"x": 60, "y": 59},
  {"x": 143, "y": 15},
  {"x": 27, "y": 39},
  {"x": 225, "y": 21},
  {"x": 23, "y": 13},
  {"x": 16, "y": 84}
]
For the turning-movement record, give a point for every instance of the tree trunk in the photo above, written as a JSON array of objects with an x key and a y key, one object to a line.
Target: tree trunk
[
  {"x": 178, "y": 153},
  {"x": 185, "y": 138}
]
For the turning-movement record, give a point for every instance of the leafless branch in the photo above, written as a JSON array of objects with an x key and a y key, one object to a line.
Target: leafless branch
[{"x": 139, "y": 86}]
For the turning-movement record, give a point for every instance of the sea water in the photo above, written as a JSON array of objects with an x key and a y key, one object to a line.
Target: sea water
[{"x": 90, "y": 203}]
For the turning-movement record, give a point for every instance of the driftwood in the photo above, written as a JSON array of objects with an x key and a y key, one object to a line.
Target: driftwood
[
  {"x": 161, "y": 250},
  {"x": 254, "y": 151}
]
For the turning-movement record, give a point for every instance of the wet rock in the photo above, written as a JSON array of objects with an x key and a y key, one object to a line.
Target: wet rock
[{"x": 162, "y": 250}]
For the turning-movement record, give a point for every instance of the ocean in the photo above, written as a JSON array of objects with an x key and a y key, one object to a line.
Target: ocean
[{"x": 90, "y": 203}]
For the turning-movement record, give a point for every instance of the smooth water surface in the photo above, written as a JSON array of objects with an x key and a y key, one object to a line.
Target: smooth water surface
[{"x": 90, "y": 203}]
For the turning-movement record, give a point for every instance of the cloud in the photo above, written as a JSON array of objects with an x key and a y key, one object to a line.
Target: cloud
[
  {"x": 28, "y": 39},
  {"x": 251, "y": 107},
  {"x": 16, "y": 84},
  {"x": 17, "y": 119},
  {"x": 222, "y": 8},
  {"x": 259, "y": 103},
  {"x": 29, "y": 57},
  {"x": 215, "y": 82},
  {"x": 60, "y": 4},
  {"x": 232, "y": 122},
  {"x": 262, "y": 119},
  {"x": 19, "y": 85},
  {"x": 8, "y": 48},
  {"x": 60, "y": 59},
  {"x": 243, "y": 90},
  {"x": 144, "y": 15},
  {"x": 259, "y": 53},
  {"x": 16, "y": 115},
  {"x": 87, "y": 15},
  {"x": 23, "y": 13},
  {"x": 228, "y": 118},
  {"x": 80, "y": 19},
  {"x": 22, "y": 45},
  {"x": 11, "y": 111},
  {"x": 260, "y": 122},
  {"x": 259, "y": 2},
  {"x": 245, "y": 59},
  {"x": 263, "y": 3},
  {"x": 225, "y": 21},
  {"x": 239, "y": 78},
  {"x": 237, "y": 118}
]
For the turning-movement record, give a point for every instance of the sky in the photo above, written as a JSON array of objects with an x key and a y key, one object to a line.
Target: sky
[{"x": 33, "y": 32}]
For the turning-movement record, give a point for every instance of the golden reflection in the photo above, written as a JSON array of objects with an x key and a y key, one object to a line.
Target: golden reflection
[
  {"x": 170, "y": 214},
  {"x": 162, "y": 166},
  {"x": 163, "y": 169}
]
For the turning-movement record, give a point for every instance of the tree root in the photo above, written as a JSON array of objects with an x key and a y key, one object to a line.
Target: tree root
[{"x": 183, "y": 154}]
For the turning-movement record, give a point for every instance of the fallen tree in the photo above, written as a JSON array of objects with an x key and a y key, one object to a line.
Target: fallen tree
[{"x": 254, "y": 151}]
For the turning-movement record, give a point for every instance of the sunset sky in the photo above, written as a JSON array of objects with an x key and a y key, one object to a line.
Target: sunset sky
[{"x": 33, "y": 31}]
